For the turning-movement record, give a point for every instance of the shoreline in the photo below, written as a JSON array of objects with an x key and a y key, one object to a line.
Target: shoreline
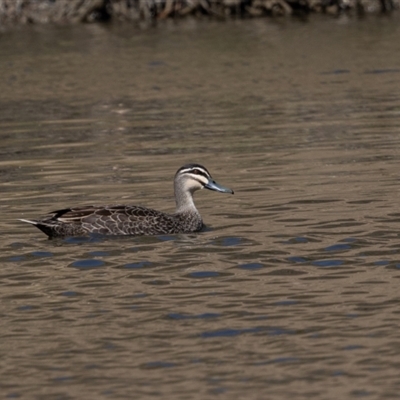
[{"x": 16, "y": 12}]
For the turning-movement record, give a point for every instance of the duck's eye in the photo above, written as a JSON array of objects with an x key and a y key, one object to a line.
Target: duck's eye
[{"x": 196, "y": 172}]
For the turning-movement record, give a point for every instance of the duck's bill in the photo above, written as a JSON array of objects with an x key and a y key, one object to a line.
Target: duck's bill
[{"x": 212, "y": 185}]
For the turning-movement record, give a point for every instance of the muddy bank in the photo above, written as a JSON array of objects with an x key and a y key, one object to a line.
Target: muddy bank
[{"x": 70, "y": 11}]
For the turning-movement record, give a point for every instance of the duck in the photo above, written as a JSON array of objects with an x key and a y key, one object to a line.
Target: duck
[{"x": 132, "y": 219}]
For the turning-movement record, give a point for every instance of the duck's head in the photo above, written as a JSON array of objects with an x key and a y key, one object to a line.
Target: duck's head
[{"x": 192, "y": 177}]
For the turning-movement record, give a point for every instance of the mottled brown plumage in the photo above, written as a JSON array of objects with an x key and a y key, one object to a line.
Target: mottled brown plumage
[{"x": 135, "y": 220}]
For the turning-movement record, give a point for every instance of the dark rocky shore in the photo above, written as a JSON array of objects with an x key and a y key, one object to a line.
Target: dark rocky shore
[{"x": 70, "y": 11}]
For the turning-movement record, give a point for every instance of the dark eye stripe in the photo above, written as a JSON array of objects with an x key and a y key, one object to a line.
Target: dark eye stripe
[
  {"x": 195, "y": 171},
  {"x": 190, "y": 167}
]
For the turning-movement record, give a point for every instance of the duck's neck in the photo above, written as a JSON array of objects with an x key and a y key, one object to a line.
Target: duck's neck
[{"x": 184, "y": 201}]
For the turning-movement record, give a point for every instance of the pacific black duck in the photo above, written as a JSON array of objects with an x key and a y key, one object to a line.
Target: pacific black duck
[{"x": 135, "y": 220}]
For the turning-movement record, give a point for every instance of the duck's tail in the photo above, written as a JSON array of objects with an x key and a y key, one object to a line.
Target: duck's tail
[{"x": 28, "y": 221}]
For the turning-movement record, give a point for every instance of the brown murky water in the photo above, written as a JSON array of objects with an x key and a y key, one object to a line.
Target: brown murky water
[{"x": 293, "y": 289}]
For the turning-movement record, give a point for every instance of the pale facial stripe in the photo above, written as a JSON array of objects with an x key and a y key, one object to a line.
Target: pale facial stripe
[
  {"x": 188, "y": 170},
  {"x": 203, "y": 177}
]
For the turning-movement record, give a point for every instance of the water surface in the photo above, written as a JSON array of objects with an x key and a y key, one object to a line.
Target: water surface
[{"x": 291, "y": 291}]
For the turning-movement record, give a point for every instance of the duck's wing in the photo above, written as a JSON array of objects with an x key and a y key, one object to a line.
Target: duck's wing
[
  {"x": 115, "y": 220},
  {"x": 122, "y": 220}
]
